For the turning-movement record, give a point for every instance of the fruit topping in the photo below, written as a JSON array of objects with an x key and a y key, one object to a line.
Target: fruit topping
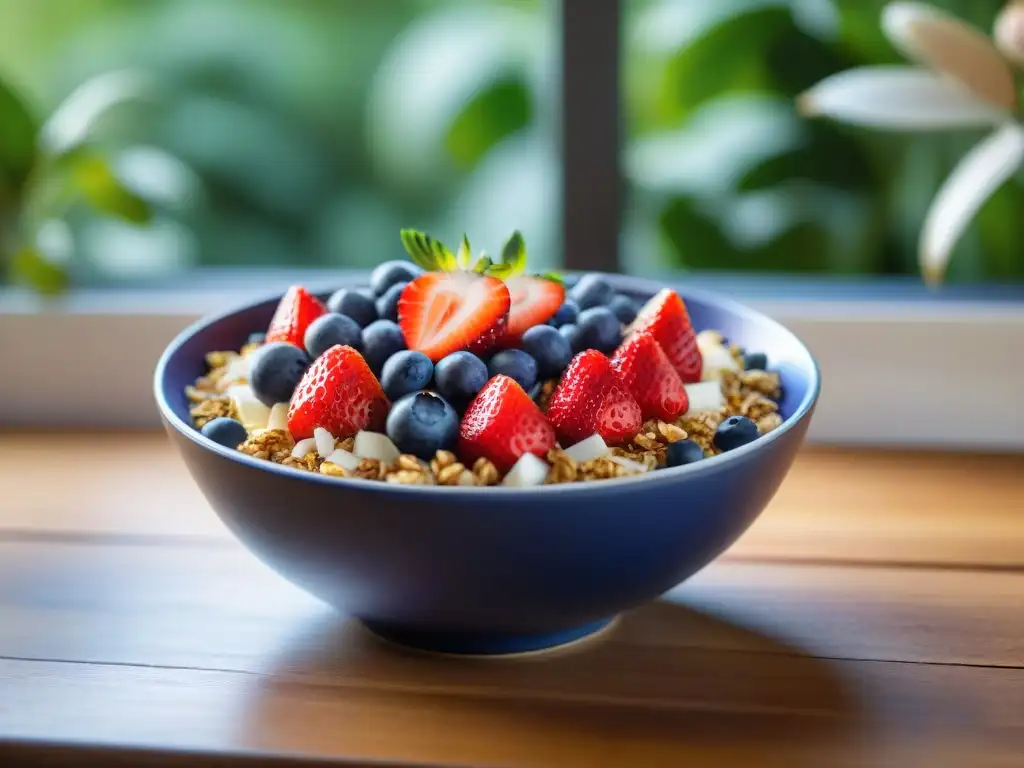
[
  {"x": 624, "y": 308},
  {"x": 253, "y": 413},
  {"x": 278, "y": 418},
  {"x": 324, "y": 442},
  {"x": 224, "y": 431},
  {"x": 600, "y": 329},
  {"x": 303, "y": 447},
  {"x": 651, "y": 379},
  {"x": 296, "y": 310},
  {"x": 381, "y": 339},
  {"x": 404, "y": 372},
  {"x": 755, "y": 361},
  {"x": 704, "y": 396},
  {"x": 535, "y": 300},
  {"x": 592, "y": 398},
  {"x": 275, "y": 371},
  {"x": 588, "y": 449},
  {"x": 459, "y": 377},
  {"x": 574, "y": 335},
  {"x": 390, "y": 273},
  {"x": 256, "y": 338},
  {"x": 516, "y": 364},
  {"x": 567, "y": 313},
  {"x": 549, "y": 348},
  {"x": 339, "y": 393},
  {"x": 374, "y": 445},
  {"x": 715, "y": 356},
  {"x": 355, "y": 304},
  {"x": 527, "y": 472},
  {"x": 734, "y": 432},
  {"x": 387, "y": 305},
  {"x": 331, "y": 329},
  {"x": 666, "y": 318},
  {"x": 422, "y": 424},
  {"x": 501, "y": 424},
  {"x": 592, "y": 291},
  {"x": 683, "y": 452}
]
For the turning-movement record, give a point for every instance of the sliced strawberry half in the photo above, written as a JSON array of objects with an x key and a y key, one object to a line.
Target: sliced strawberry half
[
  {"x": 339, "y": 393},
  {"x": 535, "y": 300},
  {"x": 651, "y": 377},
  {"x": 592, "y": 398},
  {"x": 502, "y": 423},
  {"x": 296, "y": 310},
  {"x": 443, "y": 312},
  {"x": 665, "y": 317}
]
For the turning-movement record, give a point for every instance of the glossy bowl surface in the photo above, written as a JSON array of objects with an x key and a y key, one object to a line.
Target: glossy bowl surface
[{"x": 492, "y": 570}]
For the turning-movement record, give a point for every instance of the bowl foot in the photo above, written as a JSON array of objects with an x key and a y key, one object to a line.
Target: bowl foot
[{"x": 491, "y": 644}]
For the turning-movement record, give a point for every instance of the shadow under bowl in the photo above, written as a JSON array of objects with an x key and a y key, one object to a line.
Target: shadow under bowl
[{"x": 492, "y": 570}]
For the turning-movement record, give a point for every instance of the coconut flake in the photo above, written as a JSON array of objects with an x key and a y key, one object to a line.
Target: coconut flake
[
  {"x": 237, "y": 370},
  {"x": 324, "y": 442},
  {"x": 591, "y": 448},
  {"x": 252, "y": 413},
  {"x": 526, "y": 472},
  {"x": 632, "y": 466},
  {"x": 278, "y": 417},
  {"x": 704, "y": 396},
  {"x": 303, "y": 447},
  {"x": 344, "y": 459},
  {"x": 715, "y": 356},
  {"x": 374, "y": 445}
]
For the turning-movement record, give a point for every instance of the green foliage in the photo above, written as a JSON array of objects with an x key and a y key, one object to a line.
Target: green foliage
[
  {"x": 17, "y": 141},
  {"x": 491, "y": 115}
]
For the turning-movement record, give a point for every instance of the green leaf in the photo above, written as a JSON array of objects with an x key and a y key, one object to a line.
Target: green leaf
[
  {"x": 93, "y": 177},
  {"x": 464, "y": 255},
  {"x": 500, "y": 271},
  {"x": 18, "y": 130},
  {"x": 513, "y": 254},
  {"x": 555, "y": 277},
  {"x": 427, "y": 252},
  {"x": 30, "y": 267},
  {"x": 490, "y": 115},
  {"x": 482, "y": 264}
]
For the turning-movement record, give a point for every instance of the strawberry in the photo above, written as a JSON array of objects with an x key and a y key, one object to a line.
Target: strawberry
[
  {"x": 501, "y": 424},
  {"x": 666, "y": 318},
  {"x": 650, "y": 377},
  {"x": 296, "y": 310},
  {"x": 592, "y": 398},
  {"x": 535, "y": 300},
  {"x": 339, "y": 393}
]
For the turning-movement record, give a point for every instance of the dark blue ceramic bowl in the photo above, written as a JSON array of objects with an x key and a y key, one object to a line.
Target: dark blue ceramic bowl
[{"x": 492, "y": 570}]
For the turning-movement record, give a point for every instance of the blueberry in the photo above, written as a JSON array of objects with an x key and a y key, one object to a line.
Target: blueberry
[
  {"x": 387, "y": 305},
  {"x": 755, "y": 361},
  {"x": 330, "y": 329},
  {"x": 354, "y": 304},
  {"x": 381, "y": 339},
  {"x": 422, "y": 424},
  {"x": 549, "y": 348},
  {"x": 600, "y": 329},
  {"x": 624, "y": 308},
  {"x": 567, "y": 313},
  {"x": 256, "y": 338},
  {"x": 460, "y": 376},
  {"x": 225, "y": 431},
  {"x": 391, "y": 272},
  {"x": 592, "y": 291},
  {"x": 734, "y": 432},
  {"x": 515, "y": 364},
  {"x": 574, "y": 335},
  {"x": 275, "y": 371},
  {"x": 683, "y": 452},
  {"x": 404, "y": 372}
]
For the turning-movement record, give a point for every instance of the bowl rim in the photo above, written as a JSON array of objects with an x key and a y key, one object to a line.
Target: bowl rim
[{"x": 623, "y": 282}]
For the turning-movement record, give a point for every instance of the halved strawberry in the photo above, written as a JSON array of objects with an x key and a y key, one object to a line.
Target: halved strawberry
[
  {"x": 339, "y": 393},
  {"x": 501, "y": 424},
  {"x": 651, "y": 378},
  {"x": 296, "y": 310},
  {"x": 666, "y": 318},
  {"x": 535, "y": 300},
  {"x": 592, "y": 398}
]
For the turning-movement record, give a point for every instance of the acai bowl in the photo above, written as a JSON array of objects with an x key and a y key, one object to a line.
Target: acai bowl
[{"x": 450, "y": 466}]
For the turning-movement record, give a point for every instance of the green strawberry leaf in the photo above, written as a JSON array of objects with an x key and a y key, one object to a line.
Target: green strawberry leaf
[
  {"x": 501, "y": 271},
  {"x": 464, "y": 255},
  {"x": 482, "y": 264},
  {"x": 428, "y": 252},
  {"x": 555, "y": 277},
  {"x": 513, "y": 254}
]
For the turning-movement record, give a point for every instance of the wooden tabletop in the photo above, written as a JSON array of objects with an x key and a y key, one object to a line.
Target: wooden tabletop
[{"x": 871, "y": 617}]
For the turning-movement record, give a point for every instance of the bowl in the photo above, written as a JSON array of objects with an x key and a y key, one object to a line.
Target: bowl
[{"x": 492, "y": 570}]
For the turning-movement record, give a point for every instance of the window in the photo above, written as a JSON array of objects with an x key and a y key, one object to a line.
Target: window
[{"x": 272, "y": 141}]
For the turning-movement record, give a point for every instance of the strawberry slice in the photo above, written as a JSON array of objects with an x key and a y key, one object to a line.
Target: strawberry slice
[
  {"x": 592, "y": 398},
  {"x": 665, "y": 317},
  {"x": 443, "y": 312},
  {"x": 650, "y": 377},
  {"x": 535, "y": 300},
  {"x": 501, "y": 424},
  {"x": 339, "y": 393},
  {"x": 296, "y": 310}
]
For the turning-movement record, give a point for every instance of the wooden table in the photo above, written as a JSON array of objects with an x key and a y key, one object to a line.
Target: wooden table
[{"x": 871, "y": 617}]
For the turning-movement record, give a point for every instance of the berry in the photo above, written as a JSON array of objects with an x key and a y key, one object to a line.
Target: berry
[
  {"x": 665, "y": 316},
  {"x": 387, "y": 305},
  {"x": 755, "y": 361},
  {"x": 355, "y": 304},
  {"x": 600, "y": 329},
  {"x": 683, "y": 452},
  {"x": 592, "y": 290},
  {"x": 390, "y": 273},
  {"x": 535, "y": 300},
  {"x": 652, "y": 380},
  {"x": 340, "y": 394},
  {"x": 624, "y": 308},
  {"x": 330, "y": 329},
  {"x": 574, "y": 335},
  {"x": 296, "y": 310},
  {"x": 443, "y": 312},
  {"x": 592, "y": 398},
  {"x": 567, "y": 313},
  {"x": 549, "y": 348},
  {"x": 501, "y": 424},
  {"x": 404, "y": 372},
  {"x": 256, "y": 338},
  {"x": 275, "y": 370},
  {"x": 459, "y": 376},
  {"x": 225, "y": 431},
  {"x": 515, "y": 364},
  {"x": 734, "y": 432},
  {"x": 381, "y": 339},
  {"x": 422, "y": 424}
]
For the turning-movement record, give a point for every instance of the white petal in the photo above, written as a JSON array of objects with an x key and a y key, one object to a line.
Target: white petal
[
  {"x": 970, "y": 184},
  {"x": 948, "y": 45},
  {"x": 904, "y": 98}
]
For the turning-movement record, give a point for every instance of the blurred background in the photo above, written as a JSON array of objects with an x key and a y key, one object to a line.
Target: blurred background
[{"x": 180, "y": 134}]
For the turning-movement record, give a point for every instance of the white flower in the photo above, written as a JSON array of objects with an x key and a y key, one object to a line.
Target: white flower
[{"x": 963, "y": 81}]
